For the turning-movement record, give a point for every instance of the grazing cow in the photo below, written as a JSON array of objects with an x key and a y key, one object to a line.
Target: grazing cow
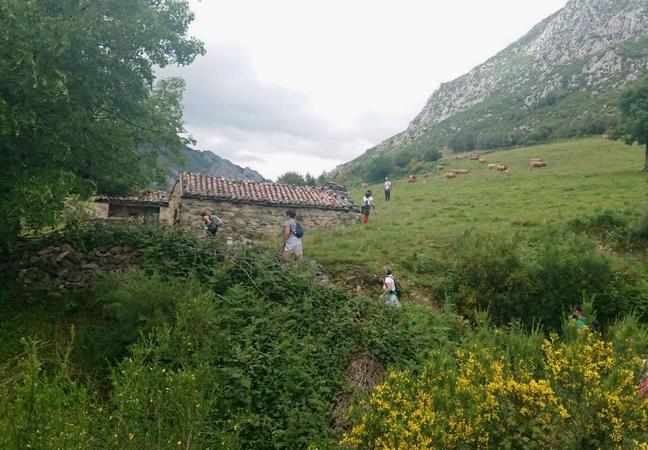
[
  {"x": 502, "y": 168},
  {"x": 482, "y": 160},
  {"x": 411, "y": 179},
  {"x": 537, "y": 164},
  {"x": 459, "y": 158},
  {"x": 474, "y": 157},
  {"x": 440, "y": 168},
  {"x": 365, "y": 184},
  {"x": 450, "y": 174},
  {"x": 492, "y": 167},
  {"x": 536, "y": 160},
  {"x": 462, "y": 171}
]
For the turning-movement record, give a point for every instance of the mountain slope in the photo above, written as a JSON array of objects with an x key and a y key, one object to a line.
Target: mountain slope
[
  {"x": 561, "y": 79},
  {"x": 209, "y": 163}
]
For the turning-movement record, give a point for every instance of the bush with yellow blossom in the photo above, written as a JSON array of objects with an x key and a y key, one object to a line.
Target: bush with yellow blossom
[{"x": 509, "y": 389}]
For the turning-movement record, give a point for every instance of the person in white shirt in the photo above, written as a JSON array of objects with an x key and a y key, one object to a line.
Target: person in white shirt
[
  {"x": 390, "y": 293},
  {"x": 388, "y": 186},
  {"x": 292, "y": 245},
  {"x": 367, "y": 204}
]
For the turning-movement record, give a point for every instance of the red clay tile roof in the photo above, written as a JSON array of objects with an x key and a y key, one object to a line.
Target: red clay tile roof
[
  {"x": 155, "y": 198},
  {"x": 217, "y": 188}
]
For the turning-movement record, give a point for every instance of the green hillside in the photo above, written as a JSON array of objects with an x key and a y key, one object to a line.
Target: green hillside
[
  {"x": 583, "y": 177},
  {"x": 198, "y": 345}
]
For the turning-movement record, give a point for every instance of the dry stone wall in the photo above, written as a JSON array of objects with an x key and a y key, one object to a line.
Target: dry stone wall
[
  {"x": 252, "y": 220},
  {"x": 67, "y": 268}
]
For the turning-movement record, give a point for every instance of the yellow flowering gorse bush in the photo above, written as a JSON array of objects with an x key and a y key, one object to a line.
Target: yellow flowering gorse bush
[{"x": 581, "y": 392}]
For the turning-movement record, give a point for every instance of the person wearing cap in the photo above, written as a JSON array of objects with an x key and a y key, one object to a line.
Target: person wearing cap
[
  {"x": 388, "y": 186},
  {"x": 367, "y": 203},
  {"x": 292, "y": 245}
]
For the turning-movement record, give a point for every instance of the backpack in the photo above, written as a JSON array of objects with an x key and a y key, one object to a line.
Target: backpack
[{"x": 299, "y": 230}]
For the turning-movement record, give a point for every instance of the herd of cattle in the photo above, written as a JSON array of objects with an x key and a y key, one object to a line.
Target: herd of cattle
[{"x": 449, "y": 174}]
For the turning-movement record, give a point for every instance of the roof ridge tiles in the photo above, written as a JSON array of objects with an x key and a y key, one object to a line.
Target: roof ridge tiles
[{"x": 221, "y": 188}]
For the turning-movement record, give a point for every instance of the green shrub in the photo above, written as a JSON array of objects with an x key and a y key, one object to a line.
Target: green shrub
[{"x": 538, "y": 281}]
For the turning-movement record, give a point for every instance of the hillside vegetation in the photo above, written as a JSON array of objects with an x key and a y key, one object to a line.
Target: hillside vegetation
[
  {"x": 202, "y": 346},
  {"x": 430, "y": 228}
]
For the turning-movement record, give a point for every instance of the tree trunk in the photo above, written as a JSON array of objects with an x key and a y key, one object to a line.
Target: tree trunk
[{"x": 646, "y": 162}]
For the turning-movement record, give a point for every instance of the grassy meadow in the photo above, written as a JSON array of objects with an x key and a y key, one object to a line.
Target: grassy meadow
[{"x": 582, "y": 177}]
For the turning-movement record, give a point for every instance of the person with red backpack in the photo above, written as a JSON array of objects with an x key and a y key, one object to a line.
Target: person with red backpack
[{"x": 292, "y": 234}]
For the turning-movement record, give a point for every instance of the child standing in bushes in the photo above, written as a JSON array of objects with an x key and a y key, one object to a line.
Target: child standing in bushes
[
  {"x": 580, "y": 318},
  {"x": 390, "y": 292}
]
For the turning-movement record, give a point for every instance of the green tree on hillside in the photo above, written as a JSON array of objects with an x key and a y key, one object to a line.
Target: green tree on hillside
[
  {"x": 79, "y": 106},
  {"x": 379, "y": 168},
  {"x": 292, "y": 178},
  {"x": 633, "y": 125}
]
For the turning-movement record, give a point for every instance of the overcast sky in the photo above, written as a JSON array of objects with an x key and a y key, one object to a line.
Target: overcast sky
[{"x": 302, "y": 85}]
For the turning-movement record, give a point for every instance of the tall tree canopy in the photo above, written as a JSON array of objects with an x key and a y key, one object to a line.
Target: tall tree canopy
[
  {"x": 79, "y": 106},
  {"x": 292, "y": 178},
  {"x": 634, "y": 116}
]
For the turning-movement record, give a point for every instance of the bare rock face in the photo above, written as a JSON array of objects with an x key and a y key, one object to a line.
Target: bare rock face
[
  {"x": 69, "y": 269},
  {"x": 589, "y": 46}
]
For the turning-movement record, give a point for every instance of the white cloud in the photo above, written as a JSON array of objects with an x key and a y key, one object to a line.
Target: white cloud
[{"x": 294, "y": 85}]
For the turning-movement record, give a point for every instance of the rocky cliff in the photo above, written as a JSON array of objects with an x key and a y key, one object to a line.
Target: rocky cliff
[
  {"x": 560, "y": 79},
  {"x": 209, "y": 163}
]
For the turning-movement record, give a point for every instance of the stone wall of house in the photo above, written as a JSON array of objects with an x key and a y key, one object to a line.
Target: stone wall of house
[
  {"x": 166, "y": 215},
  {"x": 253, "y": 220},
  {"x": 101, "y": 210}
]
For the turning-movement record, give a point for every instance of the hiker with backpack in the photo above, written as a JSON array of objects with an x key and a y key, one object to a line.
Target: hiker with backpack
[
  {"x": 367, "y": 203},
  {"x": 211, "y": 222},
  {"x": 292, "y": 234},
  {"x": 390, "y": 291},
  {"x": 388, "y": 187}
]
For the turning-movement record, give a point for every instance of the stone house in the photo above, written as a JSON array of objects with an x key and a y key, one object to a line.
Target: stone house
[
  {"x": 254, "y": 209},
  {"x": 147, "y": 206}
]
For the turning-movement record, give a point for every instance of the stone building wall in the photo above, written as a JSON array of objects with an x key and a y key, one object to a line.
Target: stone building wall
[
  {"x": 254, "y": 220},
  {"x": 101, "y": 210}
]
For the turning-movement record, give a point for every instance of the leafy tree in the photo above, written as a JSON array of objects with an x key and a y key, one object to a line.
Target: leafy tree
[
  {"x": 292, "y": 178},
  {"x": 310, "y": 180},
  {"x": 79, "y": 106},
  {"x": 322, "y": 179},
  {"x": 379, "y": 168},
  {"x": 633, "y": 125},
  {"x": 463, "y": 141},
  {"x": 402, "y": 158}
]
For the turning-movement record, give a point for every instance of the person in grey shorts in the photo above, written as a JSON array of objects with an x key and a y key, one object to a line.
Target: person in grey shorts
[{"x": 292, "y": 244}]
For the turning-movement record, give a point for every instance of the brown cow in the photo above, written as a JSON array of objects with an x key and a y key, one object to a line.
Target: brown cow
[
  {"x": 449, "y": 175},
  {"x": 537, "y": 164},
  {"x": 440, "y": 168},
  {"x": 411, "y": 179},
  {"x": 502, "y": 168},
  {"x": 459, "y": 158},
  {"x": 482, "y": 160},
  {"x": 492, "y": 167},
  {"x": 462, "y": 171},
  {"x": 365, "y": 184}
]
